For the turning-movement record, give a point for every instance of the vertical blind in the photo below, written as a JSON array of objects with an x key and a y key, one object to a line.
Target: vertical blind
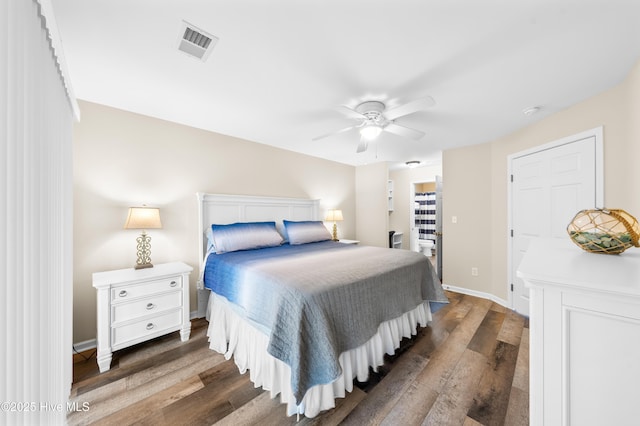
[{"x": 36, "y": 118}]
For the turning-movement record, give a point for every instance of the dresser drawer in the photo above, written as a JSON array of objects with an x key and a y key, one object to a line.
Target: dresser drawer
[
  {"x": 121, "y": 293},
  {"x": 141, "y": 307},
  {"x": 135, "y": 305},
  {"x": 146, "y": 327}
]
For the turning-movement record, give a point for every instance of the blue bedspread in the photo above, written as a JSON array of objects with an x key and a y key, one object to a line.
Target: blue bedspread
[{"x": 317, "y": 300}]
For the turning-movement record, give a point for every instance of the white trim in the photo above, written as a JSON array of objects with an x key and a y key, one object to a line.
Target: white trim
[
  {"x": 412, "y": 215},
  {"x": 476, "y": 293},
  {"x": 85, "y": 345},
  {"x": 412, "y": 212},
  {"x": 55, "y": 42},
  {"x": 596, "y": 132}
]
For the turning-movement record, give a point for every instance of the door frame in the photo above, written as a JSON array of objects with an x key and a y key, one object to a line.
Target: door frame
[
  {"x": 412, "y": 220},
  {"x": 412, "y": 211},
  {"x": 596, "y": 132}
]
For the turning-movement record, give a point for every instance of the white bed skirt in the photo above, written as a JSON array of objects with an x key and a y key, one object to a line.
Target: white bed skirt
[{"x": 231, "y": 335}]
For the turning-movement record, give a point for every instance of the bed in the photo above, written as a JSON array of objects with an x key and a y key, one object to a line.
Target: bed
[{"x": 303, "y": 314}]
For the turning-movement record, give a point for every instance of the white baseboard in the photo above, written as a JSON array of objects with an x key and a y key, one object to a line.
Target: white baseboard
[
  {"x": 476, "y": 293},
  {"x": 84, "y": 346},
  {"x": 91, "y": 344}
]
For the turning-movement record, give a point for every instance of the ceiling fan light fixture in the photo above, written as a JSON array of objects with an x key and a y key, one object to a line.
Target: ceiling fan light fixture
[
  {"x": 370, "y": 131},
  {"x": 412, "y": 164}
]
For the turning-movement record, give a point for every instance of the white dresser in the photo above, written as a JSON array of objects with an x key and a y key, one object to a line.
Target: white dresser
[
  {"x": 585, "y": 334},
  {"x": 138, "y": 305}
]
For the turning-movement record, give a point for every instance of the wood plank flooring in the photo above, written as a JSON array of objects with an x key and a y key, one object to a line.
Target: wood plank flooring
[{"x": 469, "y": 367}]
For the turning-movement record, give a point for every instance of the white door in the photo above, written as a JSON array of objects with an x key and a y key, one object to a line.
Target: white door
[
  {"x": 439, "y": 226},
  {"x": 548, "y": 188}
]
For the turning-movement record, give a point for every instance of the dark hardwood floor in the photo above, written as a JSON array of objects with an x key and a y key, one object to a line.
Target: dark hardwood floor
[{"x": 469, "y": 367}]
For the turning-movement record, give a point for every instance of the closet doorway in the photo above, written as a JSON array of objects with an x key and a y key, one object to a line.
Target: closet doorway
[{"x": 425, "y": 221}]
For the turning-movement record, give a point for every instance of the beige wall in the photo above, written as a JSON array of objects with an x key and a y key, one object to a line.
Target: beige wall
[
  {"x": 466, "y": 195},
  {"x": 632, "y": 152},
  {"x": 403, "y": 182},
  {"x": 372, "y": 222},
  {"x": 123, "y": 159},
  {"x": 480, "y": 236}
]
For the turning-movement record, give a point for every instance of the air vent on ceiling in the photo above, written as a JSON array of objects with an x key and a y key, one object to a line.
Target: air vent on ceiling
[{"x": 195, "y": 42}]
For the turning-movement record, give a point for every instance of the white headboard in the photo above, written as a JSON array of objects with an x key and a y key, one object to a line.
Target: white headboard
[{"x": 224, "y": 209}]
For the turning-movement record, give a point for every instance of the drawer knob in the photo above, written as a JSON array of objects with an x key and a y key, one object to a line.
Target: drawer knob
[
  {"x": 150, "y": 326},
  {"x": 150, "y": 306},
  {"x": 122, "y": 293},
  {"x": 173, "y": 284}
]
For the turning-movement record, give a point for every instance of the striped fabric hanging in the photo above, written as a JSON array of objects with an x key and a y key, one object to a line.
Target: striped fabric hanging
[{"x": 425, "y": 215}]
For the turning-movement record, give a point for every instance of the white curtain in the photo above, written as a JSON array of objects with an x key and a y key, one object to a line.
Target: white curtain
[{"x": 36, "y": 118}]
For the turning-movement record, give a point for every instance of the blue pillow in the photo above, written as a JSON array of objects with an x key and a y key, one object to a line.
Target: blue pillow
[
  {"x": 210, "y": 243},
  {"x": 306, "y": 232},
  {"x": 245, "y": 236}
]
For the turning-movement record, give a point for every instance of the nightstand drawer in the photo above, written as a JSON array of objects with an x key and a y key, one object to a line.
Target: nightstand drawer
[
  {"x": 134, "y": 305},
  {"x": 122, "y": 293},
  {"x": 141, "y": 307},
  {"x": 146, "y": 327}
]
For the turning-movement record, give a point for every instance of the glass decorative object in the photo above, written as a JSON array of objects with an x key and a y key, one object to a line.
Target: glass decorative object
[{"x": 608, "y": 231}]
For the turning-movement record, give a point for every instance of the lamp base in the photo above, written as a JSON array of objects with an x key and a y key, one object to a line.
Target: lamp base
[
  {"x": 143, "y": 266},
  {"x": 144, "y": 251},
  {"x": 334, "y": 236}
]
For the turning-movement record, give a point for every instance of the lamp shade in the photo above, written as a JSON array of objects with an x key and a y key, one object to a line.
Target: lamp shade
[
  {"x": 333, "y": 215},
  {"x": 143, "y": 218}
]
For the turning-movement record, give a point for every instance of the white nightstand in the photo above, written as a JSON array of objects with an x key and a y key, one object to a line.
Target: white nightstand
[
  {"x": 349, "y": 241},
  {"x": 138, "y": 305}
]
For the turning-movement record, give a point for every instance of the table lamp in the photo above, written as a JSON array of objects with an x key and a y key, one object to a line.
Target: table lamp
[
  {"x": 143, "y": 218},
  {"x": 334, "y": 215}
]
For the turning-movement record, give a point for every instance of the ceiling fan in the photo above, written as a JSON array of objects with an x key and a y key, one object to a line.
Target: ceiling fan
[{"x": 375, "y": 118}]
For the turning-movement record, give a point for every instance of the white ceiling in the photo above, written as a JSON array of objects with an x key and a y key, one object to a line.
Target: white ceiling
[{"x": 282, "y": 67}]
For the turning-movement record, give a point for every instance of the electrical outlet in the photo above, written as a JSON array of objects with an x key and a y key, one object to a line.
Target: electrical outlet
[{"x": 474, "y": 271}]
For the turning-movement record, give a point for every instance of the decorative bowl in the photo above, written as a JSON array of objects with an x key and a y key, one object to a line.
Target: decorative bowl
[{"x": 608, "y": 231}]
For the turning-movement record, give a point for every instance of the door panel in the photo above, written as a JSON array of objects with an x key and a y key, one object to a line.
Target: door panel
[
  {"x": 549, "y": 187},
  {"x": 563, "y": 205}
]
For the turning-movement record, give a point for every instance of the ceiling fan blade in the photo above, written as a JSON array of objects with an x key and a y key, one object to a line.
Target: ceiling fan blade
[
  {"x": 404, "y": 131},
  {"x": 362, "y": 146},
  {"x": 346, "y": 129},
  {"x": 351, "y": 113},
  {"x": 409, "y": 108}
]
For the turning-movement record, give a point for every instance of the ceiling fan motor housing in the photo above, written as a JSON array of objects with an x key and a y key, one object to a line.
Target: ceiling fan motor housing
[{"x": 373, "y": 111}]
